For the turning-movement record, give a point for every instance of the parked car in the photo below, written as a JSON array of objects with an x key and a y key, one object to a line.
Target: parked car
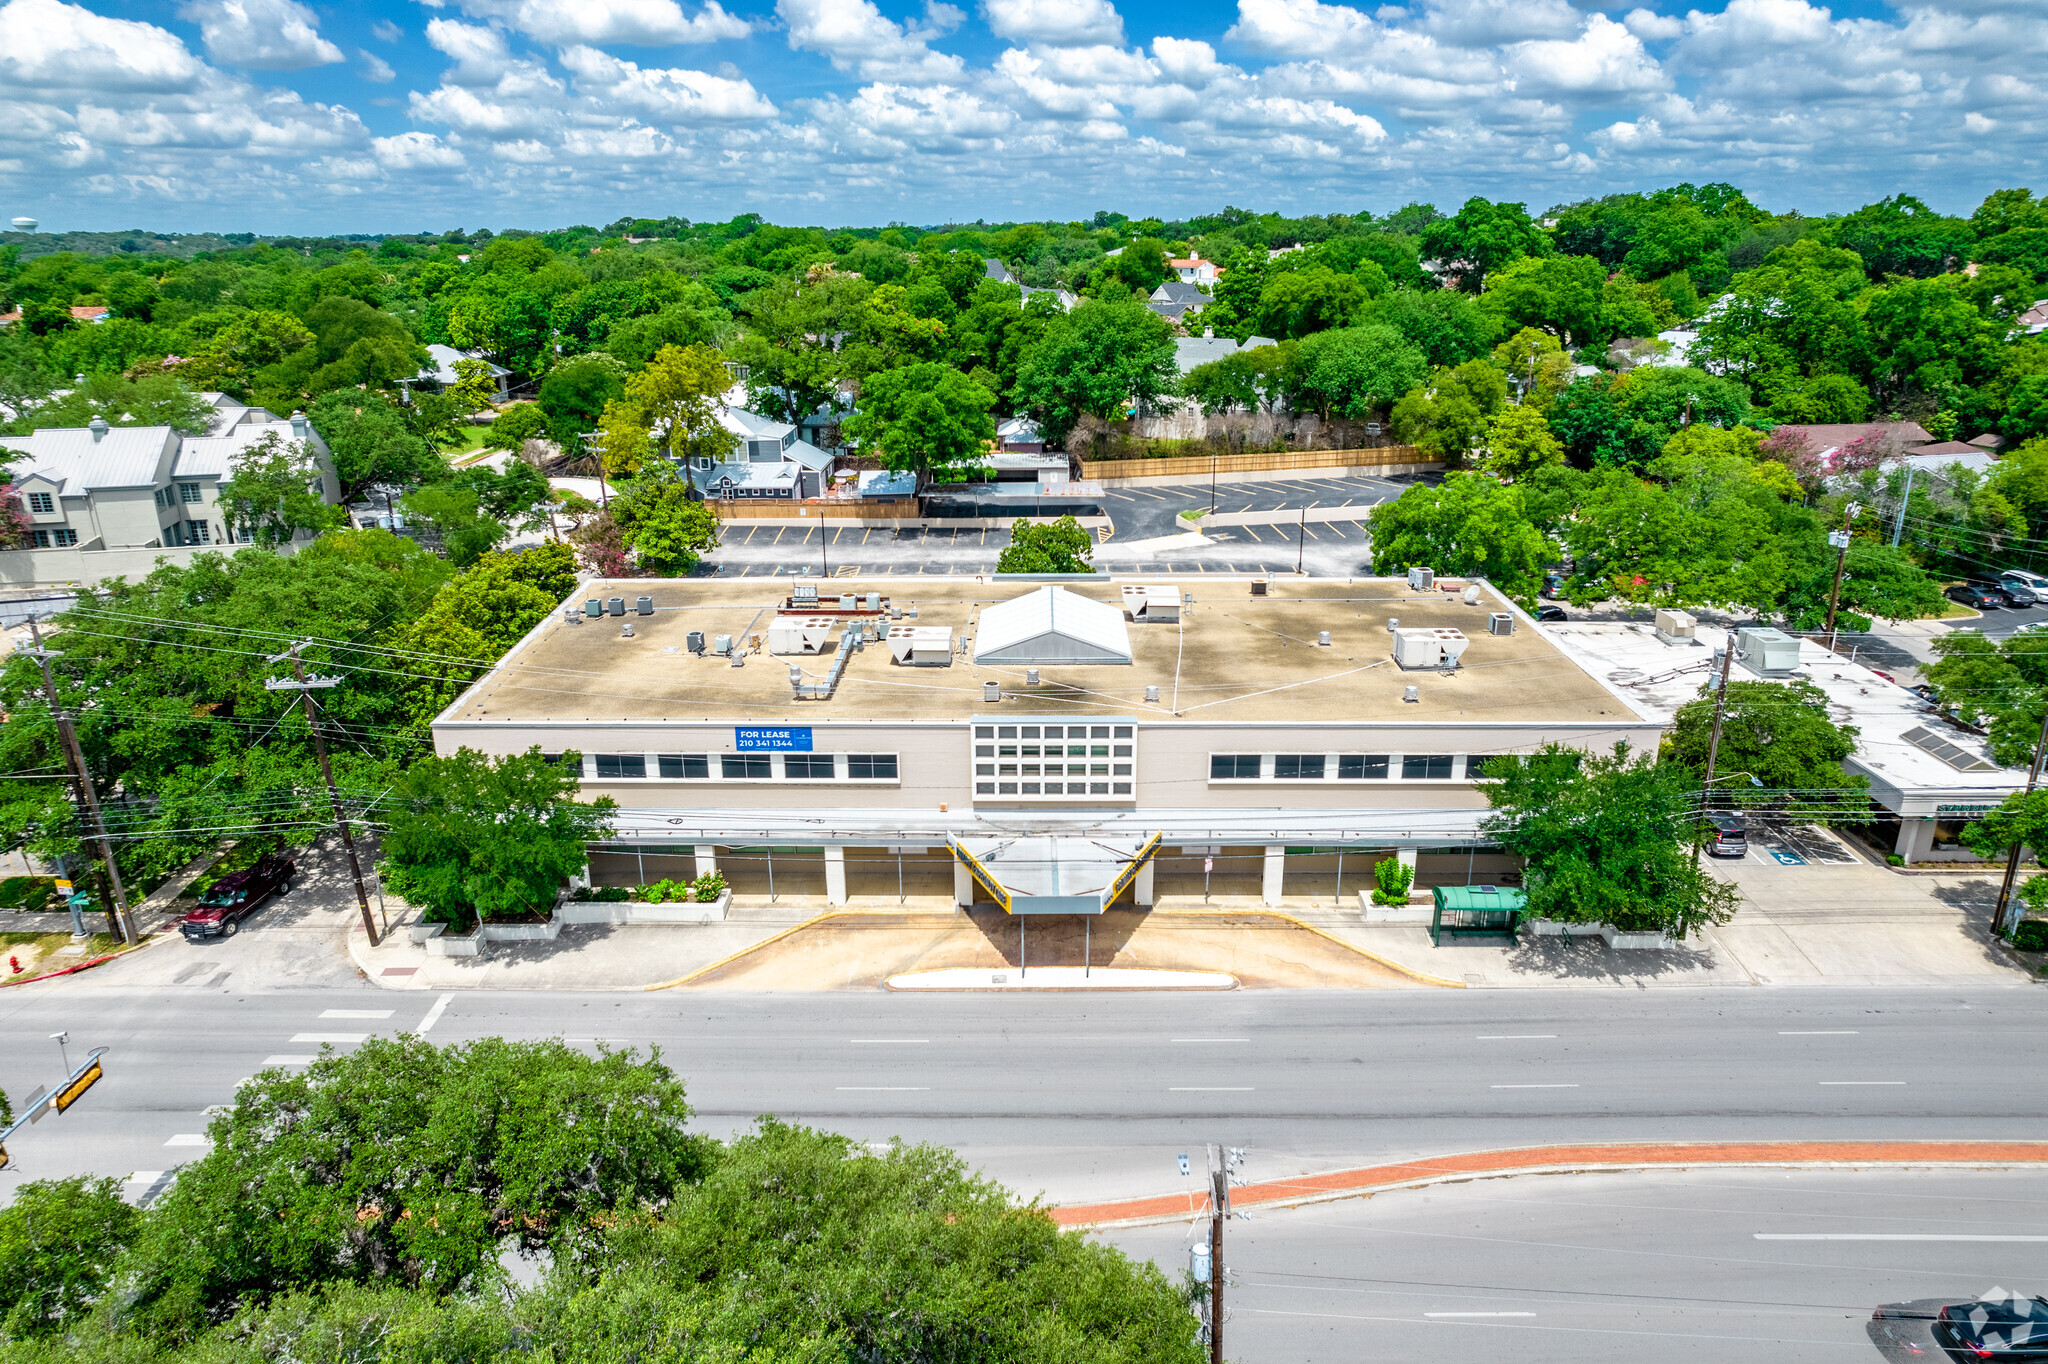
[
  {"x": 2019, "y": 593},
  {"x": 2032, "y": 627},
  {"x": 1551, "y": 613},
  {"x": 1728, "y": 836},
  {"x": 1553, "y": 583},
  {"x": 235, "y": 897},
  {"x": 2034, "y": 582},
  {"x": 1978, "y": 596}
]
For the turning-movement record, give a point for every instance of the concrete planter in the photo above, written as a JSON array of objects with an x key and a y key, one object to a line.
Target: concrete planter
[
  {"x": 1624, "y": 942},
  {"x": 440, "y": 943},
  {"x": 1414, "y": 912},
  {"x": 636, "y": 912},
  {"x": 546, "y": 932}
]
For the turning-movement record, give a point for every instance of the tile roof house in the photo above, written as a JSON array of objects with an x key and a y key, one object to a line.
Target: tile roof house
[
  {"x": 1194, "y": 270},
  {"x": 2034, "y": 320},
  {"x": 90, "y": 312},
  {"x": 1908, "y": 437},
  {"x": 129, "y": 487}
]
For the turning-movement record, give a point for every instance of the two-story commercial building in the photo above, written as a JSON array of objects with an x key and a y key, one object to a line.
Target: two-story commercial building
[{"x": 1205, "y": 734}]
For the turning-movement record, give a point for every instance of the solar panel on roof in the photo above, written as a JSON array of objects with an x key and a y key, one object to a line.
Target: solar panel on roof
[{"x": 1956, "y": 756}]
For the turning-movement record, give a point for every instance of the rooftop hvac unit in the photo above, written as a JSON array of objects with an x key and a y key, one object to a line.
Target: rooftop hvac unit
[
  {"x": 1500, "y": 623},
  {"x": 615, "y": 605},
  {"x": 722, "y": 645},
  {"x": 921, "y": 646},
  {"x": 1421, "y": 579},
  {"x": 1152, "y": 602},
  {"x": 593, "y": 608},
  {"x": 991, "y": 691},
  {"x": 1258, "y": 587},
  {"x": 1766, "y": 652},
  {"x": 1323, "y": 639},
  {"x": 874, "y": 602},
  {"x": 799, "y": 634},
  {"x": 643, "y": 606},
  {"x": 1676, "y": 624},
  {"x": 1152, "y": 692},
  {"x": 572, "y": 615},
  {"x": 804, "y": 593},
  {"x": 696, "y": 641},
  {"x": 849, "y": 601},
  {"x": 1429, "y": 648}
]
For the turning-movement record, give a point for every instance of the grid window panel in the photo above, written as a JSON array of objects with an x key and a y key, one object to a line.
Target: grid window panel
[
  {"x": 42, "y": 503},
  {"x": 743, "y": 766},
  {"x": 1233, "y": 766},
  {"x": 1298, "y": 766},
  {"x": 67, "y": 536},
  {"x": 1475, "y": 764},
  {"x": 1426, "y": 767},
  {"x": 188, "y": 492},
  {"x": 807, "y": 765},
  {"x": 871, "y": 766},
  {"x": 621, "y": 765},
  {"x": 681, "y": 766},
  {"x": 1361, "y": 767}
]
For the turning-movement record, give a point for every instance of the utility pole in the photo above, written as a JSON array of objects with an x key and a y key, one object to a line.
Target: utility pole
[
  {"x": 305, "y": 686},
  {"x": 1300, "y": 536},
  {"x": 1999, "y": 926},
  {"x": 1713, "y": 745},
  {"x": 1840, "y": 540},
  {"x": 1899, "y": 524},
  {"x": 1219, "y": 1208},
  {"x": 119, "y": 921}
]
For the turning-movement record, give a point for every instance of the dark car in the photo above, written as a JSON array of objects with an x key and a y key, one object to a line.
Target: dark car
[
  {"x": 1551, "y": 613},
  {"x": 2018, "y": 593},
  {"x": 235, "y": 897},
  {"x": 1979, "y": 596},
  {"x": 1727, "y": 836},
  {"x": 2004, "y": 1327}
]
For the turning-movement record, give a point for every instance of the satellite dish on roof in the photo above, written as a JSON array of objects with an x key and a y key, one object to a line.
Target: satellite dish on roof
[{"x": 25, "y": 224}]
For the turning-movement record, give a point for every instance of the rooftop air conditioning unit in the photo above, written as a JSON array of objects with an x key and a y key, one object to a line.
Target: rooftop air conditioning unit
[
  {"x": 1421, "y": 579},
  {"x": 921, "y": 646},
  {"x": 799, "y": 634},
  {"x": 804, "y": 592},
  {"x": 615, "y": 605},
  {"x": 594, "y": 607},
  {"x": 643, "y": 606},
  {"x": 1152, "y": 602},
  {"x": 1500, "y": 623},
  {"x": 1676, "y": 625},
  {"x": 722, "y": 645},
  {"x": 1429, "y": 648},
  {"x": 696, "y": 641},
  {"x": 1767, "y": 652}
]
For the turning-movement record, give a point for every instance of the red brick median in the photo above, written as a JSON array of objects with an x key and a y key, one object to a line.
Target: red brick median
[{"x": 1306, "y": 1188}]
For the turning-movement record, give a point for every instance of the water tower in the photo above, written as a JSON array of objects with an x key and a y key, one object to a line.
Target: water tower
[{"x": 24, "y": 224}]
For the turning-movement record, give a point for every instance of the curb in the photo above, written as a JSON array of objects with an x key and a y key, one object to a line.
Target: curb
[
  {"x": 1367, "y": 953},
  {"x": 1531, "y": 1160},
  {"x": 78, "y": 966},
  {"x": 750, "y": 948}
]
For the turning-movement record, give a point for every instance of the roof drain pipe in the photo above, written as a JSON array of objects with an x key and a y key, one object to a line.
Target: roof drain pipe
[{"x": 850, "y": 639}]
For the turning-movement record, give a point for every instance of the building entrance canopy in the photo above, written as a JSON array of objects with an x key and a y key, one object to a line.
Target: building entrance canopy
[{"x": 1049, "y": 875}]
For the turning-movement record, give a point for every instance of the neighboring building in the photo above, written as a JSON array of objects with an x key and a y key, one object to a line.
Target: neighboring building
[
  {"x": 1928, "y": 777},
  {"x": 1903, "y": 438},
  {"x": 1174, "y": 298},
  {"x": 765, "y": 446},
  {"x": 1194, "y": 270},
  {"x": 1190, "y": 351},
  {"x": 93, "y": 313},
  {"x": 1193, "y": 720},
  {"x": 1020, "y": 435},
  {"x": 2034, "y": 320},
  {"x": 888, "y": 486},
  {"x": 1988, "y": 441},
  {"x": 1000, "y": 273},
  {"x": 441, "y": 371},
  {"x": 123, "y": 487}
]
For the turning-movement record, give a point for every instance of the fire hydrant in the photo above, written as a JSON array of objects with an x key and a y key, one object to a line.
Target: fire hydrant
[{"x": 14, "y": 966}]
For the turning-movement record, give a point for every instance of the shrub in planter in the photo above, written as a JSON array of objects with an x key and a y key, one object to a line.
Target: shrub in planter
[
  {"x": 664, "y": 892},
  {"x": 707, "y": 888},
  {"x": 601, "y": 894},
  {"x": 1393, "y": 877},
  {"x": 2031, "y": 935},
  {"x": 1893, "y": 859}
]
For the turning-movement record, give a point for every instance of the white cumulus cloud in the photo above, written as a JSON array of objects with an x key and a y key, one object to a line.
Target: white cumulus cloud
[
  {"x": 269, "y": 35},
  {"x": 1055, "y": 21},
  {"x": 646, "y": 23}
]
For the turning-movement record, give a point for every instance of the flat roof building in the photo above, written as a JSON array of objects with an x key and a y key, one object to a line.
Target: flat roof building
[{"x": 1250, "y": 719}]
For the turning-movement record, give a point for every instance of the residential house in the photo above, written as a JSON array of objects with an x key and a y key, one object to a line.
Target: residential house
[
  {"x": 1000, "y": 273},
  {"x": 1194, "y": 270},
  {"x": 1900, "y": 438},
  {"x": 93, "y": 313},
  {"x": 441, "y": 372},
  {"x": 129, "y": 487},
  {"x": 1174, "y": 298},
  {"x": 1190, "y": 351},
  {"x": 2034, "y": 320},
  {"x": 771, "y": 461},
  {"x": 1020, "y": 435}
]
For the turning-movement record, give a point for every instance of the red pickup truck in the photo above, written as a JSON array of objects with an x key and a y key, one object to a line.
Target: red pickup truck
[{"x": 235, "y": 897}]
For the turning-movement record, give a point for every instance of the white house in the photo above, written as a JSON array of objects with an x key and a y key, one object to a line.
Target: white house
[
  {"x": 441, "y": 370},
  {"x": 1194, "y": 270}
]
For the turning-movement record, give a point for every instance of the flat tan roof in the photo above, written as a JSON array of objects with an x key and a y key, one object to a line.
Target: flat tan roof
[{"x": 1233, "y": 657}]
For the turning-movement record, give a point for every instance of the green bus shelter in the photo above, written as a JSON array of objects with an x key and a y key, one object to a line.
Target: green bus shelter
[{"x": 1466, "y": 910}]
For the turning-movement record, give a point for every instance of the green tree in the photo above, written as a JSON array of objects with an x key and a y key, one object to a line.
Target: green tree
[
  {"x": 1295, "y": 303},
  {"x": 1536, "y": 365},
  {"x": 274, "y": 492},
  {"x": 1449, "y": 326},
  {"x": 927, "y": 418},
  {"x": 1481, "y": 238},
  {"x": 1353, "y": 371},
  {"x": 1606, "y": 839},
  {"x": 475, "y": 838},
  {"x": 1467, "y": 526},
  {"x": 1061, "y": 546},
  {"x": 1999, "y": 685},
  {"x": 516, "y": 425},
  {"x": 370, "y": 441},
  {"x": 59, "y": 1240},
  {"x": 666, "y": 528},
  {"x": 152, "y": 400},
  {"x": 672, "y": 405},
  {"x": 1560, "y": 294},
  {"x": 575, "y": 394},
  {"x": 474, "y": 385},
  {"x": 1781, "y": 734},
  {"x": 1519, "y": 442},
  {"x": 1098, "y": 361},
  {"x": 405, "y": 1164},
  {"x": 2020, "y": 820},
  {"x": 1447, "y": 418},
  {"x": 455, "y": 509},
  {"x": 473, "y": 619}
]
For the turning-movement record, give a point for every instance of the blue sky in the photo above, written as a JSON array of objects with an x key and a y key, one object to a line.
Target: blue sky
[{"x": 411, "y": 115}]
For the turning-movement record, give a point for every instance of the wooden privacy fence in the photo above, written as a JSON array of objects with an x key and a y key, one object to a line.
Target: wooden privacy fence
[{"x": 1199, "y": 466}]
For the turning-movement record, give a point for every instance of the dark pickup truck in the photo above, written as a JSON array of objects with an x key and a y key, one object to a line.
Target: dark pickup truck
[{"x": 235, "y": 897}]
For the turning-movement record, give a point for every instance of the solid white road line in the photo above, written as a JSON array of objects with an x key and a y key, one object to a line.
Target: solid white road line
[
  {"x": 1210, "y": 1089},
  {"x": 1516, "y": 1037},
  {"x": 1532, "y": 1086},
  {"x": 285, "y": 1060},
  {"x": 356, "y": 1013},
  {"x": 434, "y": 1015},
  {"x": 1862, "y": 1082},
  {"x": 888, "y": 1041},
  {"x": 1212, "y": 1039},
  {"x": 1820, "y": 1032},
  {"x": 1478, "y": 1314},
  {"x": 882, "y": 1089},
  {"x": 187, "y": 1139},
  {"x": 338, "y": 1038},
  {"x": 1882, "y": 1236}
]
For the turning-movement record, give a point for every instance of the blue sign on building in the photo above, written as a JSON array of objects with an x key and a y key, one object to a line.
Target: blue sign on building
[{"x": 766, "y": 739}]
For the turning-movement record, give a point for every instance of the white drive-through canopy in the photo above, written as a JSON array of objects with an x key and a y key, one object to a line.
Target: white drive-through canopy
[{"x": 1052, "y": 625}]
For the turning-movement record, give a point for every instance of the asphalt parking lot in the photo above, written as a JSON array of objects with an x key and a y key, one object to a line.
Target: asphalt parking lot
[{"x": 1141, "y": 513}]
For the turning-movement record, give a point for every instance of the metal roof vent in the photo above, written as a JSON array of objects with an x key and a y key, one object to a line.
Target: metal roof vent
[
  {"x": 626, "y": 630},
  {"x": 1411, "y": 694},
  {"x": 1031, "y": 677},
  {"x": 739, "y": 658},
  {"x": 1152, "y": 692},
  {"x": 1472, "y": 595},
  {"x": 1393, "y": 624},
  {"x": 991, "y": 691},
  {"x": 98, "y": 427},
  {"x": 300, "y": 426},
  {"x": 572, "y": 615},
  {"x": 1323, "y": 639}
]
